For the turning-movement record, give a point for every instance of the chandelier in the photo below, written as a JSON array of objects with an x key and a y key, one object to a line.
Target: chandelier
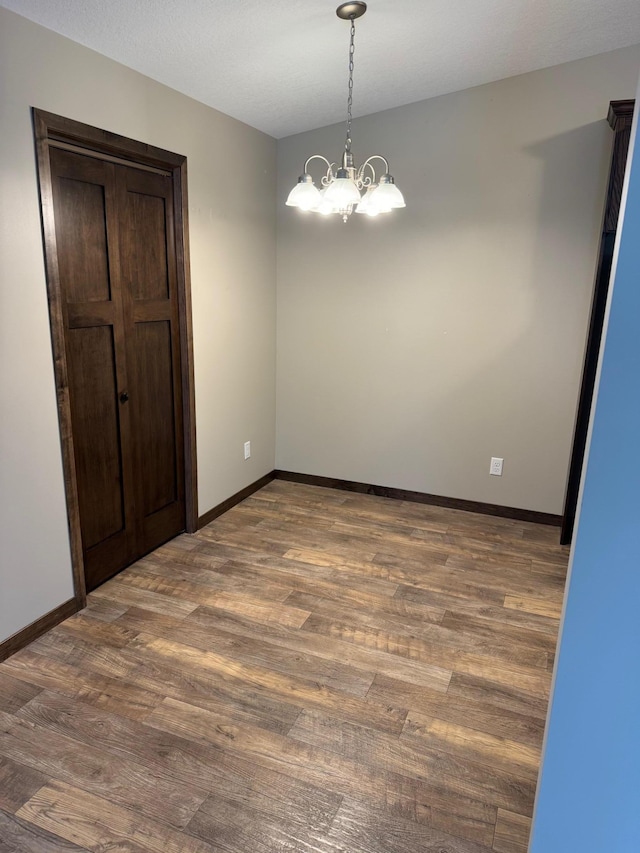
[{"x": 347, "y": 188}]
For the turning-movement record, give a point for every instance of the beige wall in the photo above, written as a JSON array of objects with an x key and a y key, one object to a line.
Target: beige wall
[
  {"x": 232, "y": 231},
  {"x": 413, "y": 348}
]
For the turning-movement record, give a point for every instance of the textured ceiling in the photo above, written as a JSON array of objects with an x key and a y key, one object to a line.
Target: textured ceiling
[{"x": 281, "y": 66}]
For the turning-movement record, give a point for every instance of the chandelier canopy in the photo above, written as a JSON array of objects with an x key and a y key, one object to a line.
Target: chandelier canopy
[{"x": 346, "y": 188}]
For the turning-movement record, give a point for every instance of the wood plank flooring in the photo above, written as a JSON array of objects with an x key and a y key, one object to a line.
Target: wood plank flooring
[{"x": 313, "y": 671}]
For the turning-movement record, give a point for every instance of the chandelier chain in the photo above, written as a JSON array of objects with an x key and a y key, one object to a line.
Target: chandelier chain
[
  {"x": 345, "y": 188},
  {"x": 352, "y": 47}
]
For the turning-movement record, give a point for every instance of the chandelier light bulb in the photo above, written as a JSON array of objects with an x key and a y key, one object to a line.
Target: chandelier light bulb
[{"x": 345, "y": 188}]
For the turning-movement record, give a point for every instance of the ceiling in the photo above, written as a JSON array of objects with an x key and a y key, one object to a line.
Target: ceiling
[{"x": 282, "y": 66}]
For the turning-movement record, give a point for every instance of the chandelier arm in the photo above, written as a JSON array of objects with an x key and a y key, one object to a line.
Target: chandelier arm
[
  {"x": 315, "y": 157},
  {"x": 367, "y": 181},
  {"x": 367, "y": 162}
]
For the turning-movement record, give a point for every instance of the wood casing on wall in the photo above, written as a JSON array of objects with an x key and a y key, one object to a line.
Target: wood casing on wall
[
  {"x": 31, "y": 632},
  {"x": 421, "y": 498},
  {"x": 380, "y": 491},
  {"x": 620, "y": 118},
  {"x": 55, "y": 131}
]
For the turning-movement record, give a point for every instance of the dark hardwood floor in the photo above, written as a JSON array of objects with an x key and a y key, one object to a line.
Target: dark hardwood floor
[{"x": 314, "y": 672}]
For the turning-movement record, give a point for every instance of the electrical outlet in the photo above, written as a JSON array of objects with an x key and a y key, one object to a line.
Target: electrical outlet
[
  {"x": 247, "y": 449},
  {"x": 496, "y": 466}
]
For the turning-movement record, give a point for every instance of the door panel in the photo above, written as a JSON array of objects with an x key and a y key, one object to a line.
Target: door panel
[
  {"x": 88, "y": 258},
  {"x": 116, "y": 254},
  {"x": 93, "y": 394},
  {"x": 155, "y": 415},
  {"x": 153, "y": 347},
  {"x": 82, "y": 212},
  {"x": 147, "y": 245}
]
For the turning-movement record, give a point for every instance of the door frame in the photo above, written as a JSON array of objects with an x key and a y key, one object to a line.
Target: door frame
[
  {"x": 51, "y": 130},
  {"x": 620, "y": 118}
]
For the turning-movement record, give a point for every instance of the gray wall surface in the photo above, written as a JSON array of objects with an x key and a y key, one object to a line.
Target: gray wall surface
[
  {"x": 413, "y": 347},
  {"x": 231, "y": 183}
]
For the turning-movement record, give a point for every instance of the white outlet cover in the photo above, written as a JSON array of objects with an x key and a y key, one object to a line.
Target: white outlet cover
[
  {"x": 247, "y": 449},
  {"x": 496, "y": 466}
]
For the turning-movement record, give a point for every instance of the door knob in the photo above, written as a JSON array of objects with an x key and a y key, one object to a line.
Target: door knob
[{"x": 124, "y": 397}]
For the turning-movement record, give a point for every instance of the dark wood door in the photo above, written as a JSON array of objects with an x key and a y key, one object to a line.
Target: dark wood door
[{"x": 117, "y": 267}]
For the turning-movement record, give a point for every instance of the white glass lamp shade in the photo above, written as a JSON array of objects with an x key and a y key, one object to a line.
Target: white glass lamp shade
[
  {"x": 387, "y": 195},
  {"x": 373, "y": 209},
  {"x": 325, "y": 207},
  {"x": 364, "y": 201},
  {"x": 342, "y": 192},
  {"x": 368, "y": 204},
  {"x": 305, "y": 195}
]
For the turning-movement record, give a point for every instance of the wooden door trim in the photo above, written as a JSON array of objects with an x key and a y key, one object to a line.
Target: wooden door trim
[
  {"x": 108, "y": 158},
  {"x": 36, "y": 629},
  {"x": 49, "y": 129},
  {"x": 186, "y": 345},
  {"x": 620, "y": 118}
]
